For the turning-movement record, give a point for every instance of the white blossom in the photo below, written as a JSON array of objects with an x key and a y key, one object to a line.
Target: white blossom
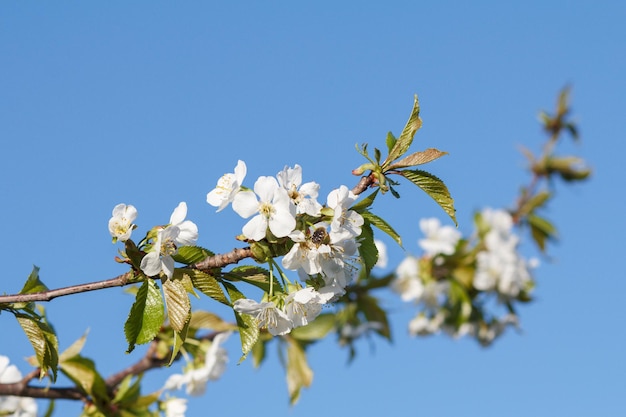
[
  {"x": 179, "y": 232},
  {"x": 303, "y": 254},
  {"x": 317, "y": 253},
  {"x": 498, "y": 220},
  {"x": 304, "y": 196},
  {"x": 336, "y": 263},
  {"x": 439, "y": 239},
  {"x": 214, "y": 364},
  {"x": 227, "y": 187},
  {"x": 121, "y": 224},
  {"x": 274, "y": 209},
  {"x": 13, "y": 405},
  {"x": 407, "y": 282},
  {"x": 346, "y": 224},
  {"x": 423, "y": 325},
  {"x": 267, "y": 315},
  {"x": 187, "y": 230},
  {"x": 175, "y": 407},
  {"x": 303, "y": 306},
  {"x": 500, "y": 267}
]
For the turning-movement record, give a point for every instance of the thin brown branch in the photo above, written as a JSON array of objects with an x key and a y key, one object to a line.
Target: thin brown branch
[
  {"x": 22, "y": 389},
  {"x": 118, "y": 281},
  {"x": 363, "y": 184},
  {"x": 221, "y": 260}
]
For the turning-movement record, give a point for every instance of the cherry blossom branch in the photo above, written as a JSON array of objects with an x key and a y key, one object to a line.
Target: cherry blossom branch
[{"x": 215, "y": 261}]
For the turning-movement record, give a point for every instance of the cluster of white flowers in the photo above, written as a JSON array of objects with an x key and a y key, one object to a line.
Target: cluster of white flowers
[
  {"x": 500, "y": 267},
  {"x": 440, "y": 240},
  {"x": 179, "y": 232},
  {"x": 11, "y": 405},
  {"x": 412, "y": 286},
  {"x": 320, "y": 249},
  {"x": 212, "y": 368},
  {"x": 299, "y": 308}
]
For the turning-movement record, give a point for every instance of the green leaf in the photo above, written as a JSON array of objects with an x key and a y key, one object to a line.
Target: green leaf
[
  {"x": 134, "y": 254},
  {"x": 316, "y": 330},
  {"x": 258, "y": 353},
  {"x": 146, "y": 315},
  {"x": 248, "y": 328},
  {"x": 189, "y": 255},
  {"x": 178, "y": 304},
  {"x": 74, "y": 349},
  {"x": 299, "y": 374},
  {"x": 33, "y": 284},
  {"x": 406, "y": 137},
  {"x": 382, "y": 225},
  {"x": 570, "y": 168},
  {"x": 541, "y": 230},
  {"x": 435, "y": 188},
  {"x": 128, "y": 391},
  {"x": 367, "y": 249},
  {"x": 179, "y": 339},
  {"x": 253, "y": 275},
  {"x": 82, "y": 372},
  {"x": 534, "y": 202},
  {"x": 44, "y": 341},
  {"x": 418, "y": 158},
  {"x": 207, "y": 285},
  {"x": 204, "y": 320},
  {"x": 146, "y": 400},
  {"x": 365, "y": 203},
  {"x": 391, "y": 141}
]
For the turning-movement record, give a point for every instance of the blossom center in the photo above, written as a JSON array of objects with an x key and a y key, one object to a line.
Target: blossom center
[
  {"x": 121, "y": 227},
  {"x": 294, "y": 195},
  {"x": 267, "y": 209},
  {"x": 225, "y": 184},
  {"x": 268, "y": 318}
]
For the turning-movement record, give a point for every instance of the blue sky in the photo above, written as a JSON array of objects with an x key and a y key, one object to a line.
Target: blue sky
[{"x": 149, "y": 103}]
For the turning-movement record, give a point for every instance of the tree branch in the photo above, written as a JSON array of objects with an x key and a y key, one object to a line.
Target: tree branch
[
  {"x": 118, "y": 281},
  {"x": 215, "y": 261},
  {"x": 363, "y": 184},
  {"x": 221, "y": 260}
]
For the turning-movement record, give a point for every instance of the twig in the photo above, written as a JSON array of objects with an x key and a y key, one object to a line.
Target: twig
[
  {"x": 221, "y": 260},
  {"x": 118, "y": 281}
]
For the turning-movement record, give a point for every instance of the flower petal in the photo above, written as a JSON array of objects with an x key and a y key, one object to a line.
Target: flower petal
[
  {"x": 179, "y": 213},
  {"x": 265, "y": 187},
  {"x": 256, "y": 228},
  {"x": 245, "y": 204}
]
